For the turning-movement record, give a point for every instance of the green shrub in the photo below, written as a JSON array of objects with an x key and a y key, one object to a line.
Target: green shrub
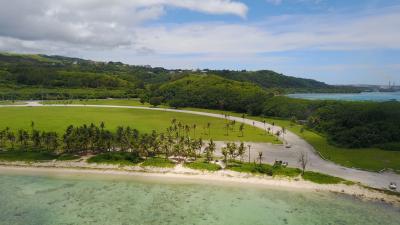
[
  {"x": 123, "y": 158},
  {"x": 203, "y": 165},
  {"x": 322, "y": 178},
  {"x": 28, "y": 156},
  {"x": 158, "y": 162}
]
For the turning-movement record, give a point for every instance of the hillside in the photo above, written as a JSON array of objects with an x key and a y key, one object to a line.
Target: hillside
[{"x": 21, "y": 77}]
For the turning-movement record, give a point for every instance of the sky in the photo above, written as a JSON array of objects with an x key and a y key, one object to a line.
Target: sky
[{"x": 334, "y": 41}]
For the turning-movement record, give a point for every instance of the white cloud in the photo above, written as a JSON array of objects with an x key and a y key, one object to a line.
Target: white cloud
[
  {"x": 94, "y": 23},
  {"x": 278, "y": 34}
]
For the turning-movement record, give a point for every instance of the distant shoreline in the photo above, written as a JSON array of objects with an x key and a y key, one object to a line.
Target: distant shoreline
[{"x": 179, "y": 173}]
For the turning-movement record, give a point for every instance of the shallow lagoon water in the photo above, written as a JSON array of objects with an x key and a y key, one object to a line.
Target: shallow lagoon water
[
  {"x": 364, "y": 96},
  {"x": 89, "y": 199}
]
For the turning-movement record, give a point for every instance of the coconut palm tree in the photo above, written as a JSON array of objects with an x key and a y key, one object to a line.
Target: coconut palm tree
[
  {"x": 210, "y": 150},
  {"x": 194, "y": 130},
  {"x": 241, "y": 128},
  {"x": 241, "y": 150},
  {"x": 260, "y": 157},
  {"x": 231, "y": 150},
  {"x": 227, "y": 129},
  {"x": 225, "y": 153}
]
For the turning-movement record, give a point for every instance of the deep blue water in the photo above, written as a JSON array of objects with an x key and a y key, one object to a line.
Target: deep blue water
[{"x": 364, "y": 96}]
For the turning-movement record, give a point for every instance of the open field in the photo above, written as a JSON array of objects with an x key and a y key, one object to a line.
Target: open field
[
  {"x": 58, "y": 118},
  {"x": 12, "y": 103},
  {"x": 123, "y": 102}
]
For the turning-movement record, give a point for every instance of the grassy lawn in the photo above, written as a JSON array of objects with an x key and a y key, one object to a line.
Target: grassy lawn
[
  {"x": 58, "y": 118},
  {"x": 158, "y": 162},
  {"x": 117, "y": 158},
  {"x": 12, "y": 103},
  {"x": 201, "y": 164},
  {"x": 122, "y": 102},
  {"x": 29, "y": 156},
  {"x": 320, "y": 178},
  {"x": 263, "y": 169}
]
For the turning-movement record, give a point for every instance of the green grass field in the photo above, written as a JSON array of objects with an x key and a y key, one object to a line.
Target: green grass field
[
  {"x": 122, "y": 102},
  {"x": 12, "y": 103},
  {"x": 58, "y": 118}
]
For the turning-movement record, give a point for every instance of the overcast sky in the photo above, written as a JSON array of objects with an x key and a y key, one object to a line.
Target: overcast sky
[{"x": 337, "y": 41}]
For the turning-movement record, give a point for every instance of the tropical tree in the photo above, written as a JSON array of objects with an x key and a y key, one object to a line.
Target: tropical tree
[
  {"x": 260, "y": 157},
  {"x": 303, "y": 160},
  {"x": 11, "y": 138},
  {"x": 241, "y": 128},
  {"x": 225, "y": 153},
  {"x": 210, "y": 149},
  {"x": 241, "y": 150}
]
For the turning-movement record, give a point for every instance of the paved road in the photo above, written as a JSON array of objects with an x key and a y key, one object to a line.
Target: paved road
[{"x": 276, "y": 152}]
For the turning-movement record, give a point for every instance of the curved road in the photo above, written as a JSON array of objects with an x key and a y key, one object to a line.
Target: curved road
[{"x": 273, "y": 152}]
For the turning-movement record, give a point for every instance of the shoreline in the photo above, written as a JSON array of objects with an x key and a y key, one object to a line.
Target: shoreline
[{"x": 182, "y": 174}]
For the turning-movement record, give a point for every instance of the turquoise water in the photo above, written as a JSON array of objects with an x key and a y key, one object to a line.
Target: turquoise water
[
  {"x": 42, "y": 200},
  {"x": 364, "y": 96}
]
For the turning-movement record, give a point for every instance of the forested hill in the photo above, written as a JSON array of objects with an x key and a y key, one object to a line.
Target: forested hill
[{"x": 64, "y": 72}]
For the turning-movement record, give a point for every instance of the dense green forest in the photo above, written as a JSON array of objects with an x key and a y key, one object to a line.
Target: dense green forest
[
  {"x": 347, "y": 124},
  {"x": 214, "y": 92}
]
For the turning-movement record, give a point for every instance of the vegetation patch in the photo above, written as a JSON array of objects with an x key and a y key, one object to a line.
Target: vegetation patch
[
  {"x": 119, "y": 158},
  {"x": 263, "y": 169},
  {"x": 392, "y": 146},
  {"x": 158, "y": 162},
  {"x": 201, "y": 164},
  {"x": 27, "y": 156},
  {"x": 67, "y": 157},
  {"x": 322, "y": 178}
]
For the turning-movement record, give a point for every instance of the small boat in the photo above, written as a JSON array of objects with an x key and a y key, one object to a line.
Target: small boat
[{"x": 392, "y": 186}]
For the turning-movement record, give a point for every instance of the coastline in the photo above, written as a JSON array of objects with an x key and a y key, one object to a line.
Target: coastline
[{"x": 182, "y": 174}]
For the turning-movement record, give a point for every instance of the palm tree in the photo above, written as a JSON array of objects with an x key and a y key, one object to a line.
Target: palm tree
[
  {"x": 36, "y": 138},
  {"x": 194, "y": 131},
  {"x": 227, "y": 129},
  {"x": 225, "y": 153},
  {"x": 232, "y": 150},
  {"x": 11, "y": 138},
  {"x": 210, "y": 150},
  {"x": 241, "y": 128},
  {"x": 249, "y": 147},
  {"x": 2, "y": 138},
  {"x": 260, "y": 157},
  {"x": 241, "y": 150},
  {"x": 32, "y": 126}
]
